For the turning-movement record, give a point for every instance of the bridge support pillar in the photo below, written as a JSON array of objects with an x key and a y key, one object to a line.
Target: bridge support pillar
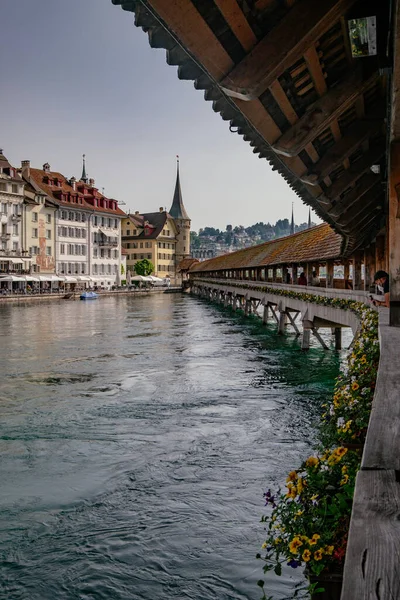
[
  {"x": 282, "y": 322},
  {"x": 338, "y": 338},
  {"x": 305, "y": 340},
  {"x": 265, "y": 313}
]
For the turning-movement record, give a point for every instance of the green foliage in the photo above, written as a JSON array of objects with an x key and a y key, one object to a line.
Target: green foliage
[{"x": 144, "y": 267}]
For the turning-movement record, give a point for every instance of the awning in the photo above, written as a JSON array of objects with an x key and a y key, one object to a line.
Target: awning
[
  {"x": 45, "y": 277},
  {"x": 15, "y": 261},
  {"x": 29, "y": 278},
  {"x": 12, "y": 278},
  {"x": 69, "y": 279},
  {"x": 27, "y": 259},
  {"x": 83, "y": 278}
]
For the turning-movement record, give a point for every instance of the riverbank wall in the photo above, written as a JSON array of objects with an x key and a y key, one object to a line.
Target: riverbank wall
[{"x": 24, "y": 298}]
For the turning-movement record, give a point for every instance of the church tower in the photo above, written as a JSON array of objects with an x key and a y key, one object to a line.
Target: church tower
[{"x": 182, "y": 221}]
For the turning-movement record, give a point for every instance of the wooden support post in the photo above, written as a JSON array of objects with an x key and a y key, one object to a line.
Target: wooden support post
[
  {"x": 394, "y": 234},
  {"x": 305, "y": 340},
  {"x": 338, "y": 338},
  {"x": 282, "y": 322},
  {"x": 319, "y": 338},
  {"x": 274, "y": 269},
  {"x": 330, "y": 266},
  {"x": 265, "y": 313},
  {"x": 380, "y": 253},
  {"x": 284, "y": 274},
  {"x": 273, "y": 310},
  {"x": 294, "y": 273},
  {"x": 369, "y": 263},
  {"x": 357, "y": 282},
  {"x": 308, "y": 272}
]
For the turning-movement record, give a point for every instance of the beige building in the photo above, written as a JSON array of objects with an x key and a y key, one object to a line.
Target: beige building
[
  {"x": 151, "y": 236},
  {"x": 39, "y": 230},
  {"x": 163, "y": 237}
]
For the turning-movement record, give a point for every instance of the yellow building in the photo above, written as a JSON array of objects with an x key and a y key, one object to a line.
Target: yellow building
[
  {"x": 163, "y": 237},
  {"x": 39, "y": 230},
  {"x": 152, "y": 236}
]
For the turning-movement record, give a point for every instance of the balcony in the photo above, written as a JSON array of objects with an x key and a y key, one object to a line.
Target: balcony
[
  {"x": 108, "y": 243},
  {"x": 4, "y": 252},
  {"x": 16, "y": 218}
]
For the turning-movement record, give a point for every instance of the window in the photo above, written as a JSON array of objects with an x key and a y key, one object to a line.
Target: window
[
  {"x": 94, "y": 269},
  {"x": 71, "y": 232},
  {"x": 102, "y": 221},
  {"x": 83, "y": 218},
  {"x": 48, "y": 218},
  {"x": 134, "y": 232},
  {"x": 142, "y": 256},
  {"x": 48, "y": 234},
  {"x": 3, "y": 187},
  {"x": 48, "y": 250},
  {"x": 70, "y": 216},
  {"x": 148, "y": 245},
  {"x": 115, "y": 253},
  {"x": 77, "y": 217},
  {"x": 135, "y": 257},
  {"x": 62, "y": 248},
  {"x": 116, "y": 223},
  {"x": 14, "y": 188},
  {"x": 149, "y": 256},
  {"x": 141, "y": 244},
  {"x": 83, "y": 268},
  {"x": 34, "y": 217},
  {"x": 83, "y": 233},
  {"x": 134, "y": 245},
  {"x": 109, "y": 222},
  {"x": 83, "y": 250},
  {"x": 95, "y": 221},
  {"x": 77, "y": 232},
  {"x": 128, "y": 232},
  {"x": 15, "y": 246},
  {"x": 70, "y": 248},
  {"x": 64, "y": 214},
  {"x": 109, "y": 269},
  {"x": 4, "y": 208}
]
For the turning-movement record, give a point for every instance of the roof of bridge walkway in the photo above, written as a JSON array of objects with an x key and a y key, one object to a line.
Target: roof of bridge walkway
[
  {"x": 282, "y": 73},
  {"x": 317, "y": 244}
]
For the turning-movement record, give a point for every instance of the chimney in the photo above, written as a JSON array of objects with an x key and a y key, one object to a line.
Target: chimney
[
  {"x": 91, "y": 182},
  {"x": 46, "y": 168},
  {"x": 161, "y": 209},
  {"x": 136, "y": 212},
  {"x": 72, "y": 183},
  {"x": 26, "y": 168}
]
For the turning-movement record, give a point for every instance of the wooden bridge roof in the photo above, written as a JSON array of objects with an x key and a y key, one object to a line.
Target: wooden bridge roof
[
  {"x": 317, "y": 244},
  {"x": 282, "y": 73}
]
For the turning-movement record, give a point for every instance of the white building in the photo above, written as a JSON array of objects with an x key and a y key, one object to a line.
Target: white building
[{"x": 13, "y": 257}]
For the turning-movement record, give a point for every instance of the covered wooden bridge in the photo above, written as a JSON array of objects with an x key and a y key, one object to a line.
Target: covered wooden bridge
[{"x": 312, "y": 86}]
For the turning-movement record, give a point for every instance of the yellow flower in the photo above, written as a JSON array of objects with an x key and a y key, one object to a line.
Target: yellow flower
[
  {"x": 318, "y": 554},
  {"x": 314, "y": 539},
  {"x": 300, "y": 485},
  {"x": 344, "y": 480},
  {"x": 354, "y": 386},
  {"x": 344, "y": 469},
  {"x": 363, "y": 359},
  {"x": 278, "y": 541},
  {"x": 312, "y": 461},
  {"x": 347, "y": 426},
  {"x": 295, "y": 545},
  {"x": 264, "y": 545},
  {"x": 292, "y": 476},
  {"x": 306, "y": 555},
  {"x": 299, "y": 513},
  {"x": 329, "y": 550},
  {"x": 340, "y": 451}
]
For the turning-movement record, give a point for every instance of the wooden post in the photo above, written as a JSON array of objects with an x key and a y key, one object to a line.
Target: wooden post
[
  {"x": 265, "y": 313},
  {"x": 294, "y": 274},
  {"x": 338, "y": 338},
  {"x": 282, "y": 322},
  {"x": 305, "y": 340},
  {"x": 380, "y": 254},
  {"x": 357, "y": 282},
  {"x": 369, "y": 266},
  {"x": 284, "y": 273},
  {"x": 273, "y": 273},
  {"x": 330, "y": 265},
  {"x": 394, "y": 234},
  {"x": 308, "y": 273}
]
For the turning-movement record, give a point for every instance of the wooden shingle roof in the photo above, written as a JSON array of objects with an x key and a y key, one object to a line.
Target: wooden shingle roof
[{"x": 311, "y": 245}]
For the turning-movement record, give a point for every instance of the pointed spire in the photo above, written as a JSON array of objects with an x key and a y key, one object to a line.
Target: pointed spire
[
  {"x": 177, "y": 209},
  {"x": 84, "y": 176},
  {"x": 292, "y": 222},
  {"x": 309, "y": 218}
]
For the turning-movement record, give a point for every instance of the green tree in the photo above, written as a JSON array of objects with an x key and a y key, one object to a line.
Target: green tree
[{"x": 144, "y": 267}]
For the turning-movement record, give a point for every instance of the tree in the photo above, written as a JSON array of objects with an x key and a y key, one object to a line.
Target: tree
[{"x": 144, "y": 267}]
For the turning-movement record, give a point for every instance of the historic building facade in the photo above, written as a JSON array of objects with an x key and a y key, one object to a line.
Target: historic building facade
[
  {"x": 161, "y": 237},
  {"x": 14, "y": 257}
]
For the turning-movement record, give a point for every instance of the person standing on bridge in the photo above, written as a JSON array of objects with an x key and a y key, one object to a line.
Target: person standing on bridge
[
  {"x": 315, "y": 279},
  {"x": 302, "y": 280},
  {"x": 382, "y": 281}
]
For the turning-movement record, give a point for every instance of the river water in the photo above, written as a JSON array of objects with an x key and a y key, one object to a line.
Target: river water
[{"x": 137, "y": 436}]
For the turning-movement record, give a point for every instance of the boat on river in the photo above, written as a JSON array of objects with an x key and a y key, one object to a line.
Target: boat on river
[{"x": 89, "y": 296}]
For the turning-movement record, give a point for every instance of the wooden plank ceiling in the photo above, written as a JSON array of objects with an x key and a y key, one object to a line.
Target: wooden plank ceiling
[{"x": 281, "y": 72}]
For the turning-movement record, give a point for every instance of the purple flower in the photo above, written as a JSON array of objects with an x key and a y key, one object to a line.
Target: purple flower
[
  {"x": 269, "y": 498},
  {"x": 294, "y": 563}
]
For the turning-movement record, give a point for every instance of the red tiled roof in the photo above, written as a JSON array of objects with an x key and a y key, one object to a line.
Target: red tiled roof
[
  {"x": 316, "y": 244},
  {"x": 38, "y": 175},
  {"x": 187, "y": 263}
]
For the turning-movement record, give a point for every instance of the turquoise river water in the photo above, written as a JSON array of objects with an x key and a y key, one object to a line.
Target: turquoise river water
[{"x": 137, "y": 436}]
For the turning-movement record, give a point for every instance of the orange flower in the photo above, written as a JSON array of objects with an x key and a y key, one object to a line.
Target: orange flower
[{"x": 318, "y": 554}]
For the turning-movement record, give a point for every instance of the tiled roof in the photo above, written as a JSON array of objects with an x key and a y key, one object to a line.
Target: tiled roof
[
  {"x": 38, "y": 175},
  {"x": 316, "y": 244},
  {"x": 187, "y": 263},
  {"x": 156, "y": 223}
]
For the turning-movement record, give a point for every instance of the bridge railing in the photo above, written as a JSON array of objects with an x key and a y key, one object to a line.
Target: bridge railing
[{"x": 357, "y": 295}]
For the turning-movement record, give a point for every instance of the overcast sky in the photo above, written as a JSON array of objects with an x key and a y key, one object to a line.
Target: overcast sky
[{"x": 79, "y": 77}]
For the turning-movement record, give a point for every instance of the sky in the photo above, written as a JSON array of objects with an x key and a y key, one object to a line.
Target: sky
[{"x": 79, "y": 78}]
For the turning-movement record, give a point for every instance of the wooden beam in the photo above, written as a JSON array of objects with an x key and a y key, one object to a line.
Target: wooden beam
[
  {"x": 314, "y": 67},
  {"x": 187, "y": 26},
  {"x": 354, "y": 136},
  {"x": 360, "y": 208},
  {"x": 355, "y": 171},
  {"x": 321, "y": 113},
  {"x": 236, "y": 20},
  {"x": 364, "y": 185},
  {"x": 302, "y": 26},
  {"x": 394, "y": 233}
]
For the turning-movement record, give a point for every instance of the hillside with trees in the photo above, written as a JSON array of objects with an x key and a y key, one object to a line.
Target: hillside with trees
[{"x": 233, "y": 238}]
